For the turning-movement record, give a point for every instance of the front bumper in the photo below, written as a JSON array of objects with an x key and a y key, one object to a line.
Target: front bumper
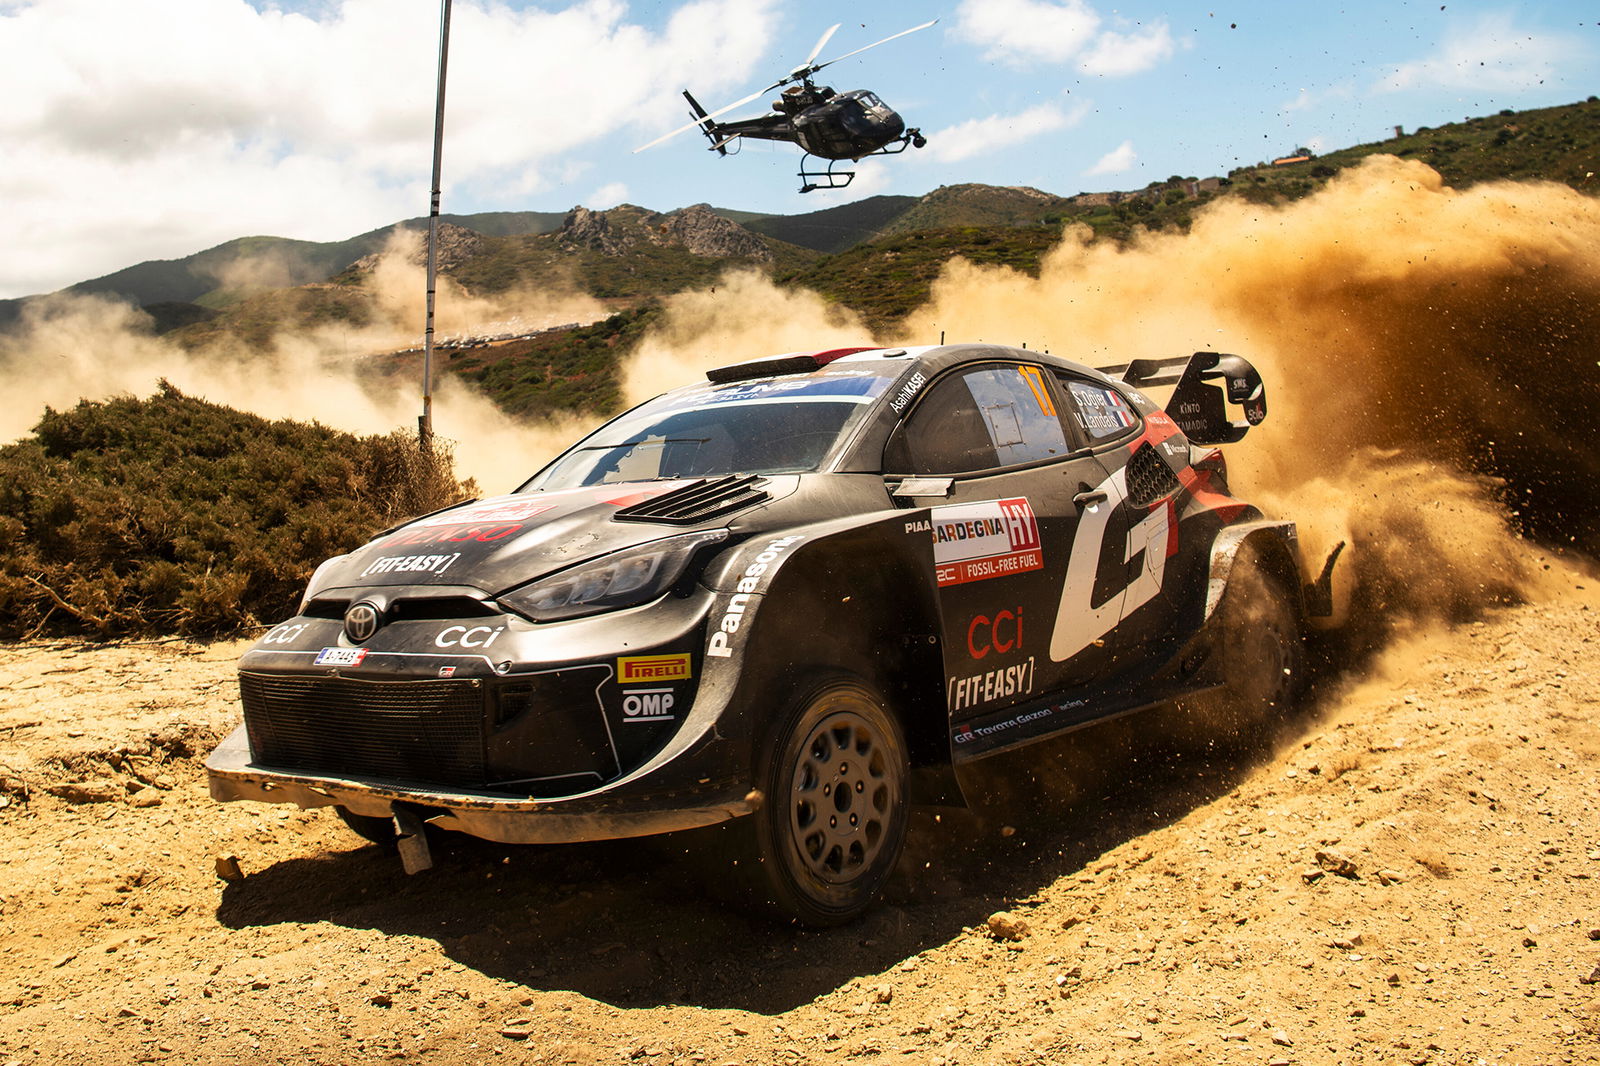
[{"x": 604, "y": 814}]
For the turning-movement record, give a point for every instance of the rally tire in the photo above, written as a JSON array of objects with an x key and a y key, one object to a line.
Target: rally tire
[
  {"x": 1262, "y": 646},
  {"x": 835, "y": 778}
]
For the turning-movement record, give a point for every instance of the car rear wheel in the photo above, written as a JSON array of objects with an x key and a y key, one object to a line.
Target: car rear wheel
[{"x": 833, "y": 823}]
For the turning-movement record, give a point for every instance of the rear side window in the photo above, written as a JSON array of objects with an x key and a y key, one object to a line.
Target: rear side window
[
  {"x": 1101, "y": 412},
  {"x": 980, "y": 419}
]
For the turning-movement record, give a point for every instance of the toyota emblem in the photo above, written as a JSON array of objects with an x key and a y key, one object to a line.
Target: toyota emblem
[{"x": 361, "y": 621}]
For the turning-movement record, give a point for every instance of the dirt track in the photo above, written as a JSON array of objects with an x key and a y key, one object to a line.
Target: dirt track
[{"x": 1177, "y": 910}]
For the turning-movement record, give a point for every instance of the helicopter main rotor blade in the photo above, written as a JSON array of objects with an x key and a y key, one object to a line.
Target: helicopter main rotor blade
[
  {"x": 705, "y": 118},
  {"x": 817, "y": 49},
  {"x": 874, "y": 44}
]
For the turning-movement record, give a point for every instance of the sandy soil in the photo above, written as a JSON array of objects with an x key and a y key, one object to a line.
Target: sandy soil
[{"x": 1411, "y": 877}]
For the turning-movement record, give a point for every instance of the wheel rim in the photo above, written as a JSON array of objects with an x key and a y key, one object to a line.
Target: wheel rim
[{"x": 843, "y": 796}]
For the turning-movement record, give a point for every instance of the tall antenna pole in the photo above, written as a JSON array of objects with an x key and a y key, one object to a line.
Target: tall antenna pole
[{"x": 425, "y": 423}]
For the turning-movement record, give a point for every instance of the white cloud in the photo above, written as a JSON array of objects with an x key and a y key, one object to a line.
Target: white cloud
[
  {"x": 1118, "y": 54},
  {"x": 1119, "y": 160},
  {"x": 607, "y": 196},
  {"x": 1028, "y": 29},
  {"x": 1059, "y": 31},
  {"x": 982, "y": 135},
  {"x": 130, "y": 134},
  {"x": 1489, "y": 54}
]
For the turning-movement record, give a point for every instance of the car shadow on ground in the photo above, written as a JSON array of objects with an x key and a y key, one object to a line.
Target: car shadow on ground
[{"x": 633, "y": 923}]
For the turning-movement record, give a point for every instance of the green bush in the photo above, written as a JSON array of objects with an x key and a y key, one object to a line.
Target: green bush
[{"x": 174, "y": 515}]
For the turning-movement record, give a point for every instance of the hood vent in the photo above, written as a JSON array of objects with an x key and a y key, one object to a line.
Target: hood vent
[{"x": 699, "y": 501}]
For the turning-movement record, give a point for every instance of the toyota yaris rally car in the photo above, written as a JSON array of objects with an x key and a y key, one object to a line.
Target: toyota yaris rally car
[{"x": 799, "y": 595}]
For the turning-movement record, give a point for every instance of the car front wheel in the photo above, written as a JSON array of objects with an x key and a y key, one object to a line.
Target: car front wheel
[{"x": 834, "y": 819}]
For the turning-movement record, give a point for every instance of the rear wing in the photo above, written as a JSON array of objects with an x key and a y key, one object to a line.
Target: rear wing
[{"x": 1199, "y": 407}]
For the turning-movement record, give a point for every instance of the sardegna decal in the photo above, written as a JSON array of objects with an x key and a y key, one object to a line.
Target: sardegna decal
[{"x": 978, "y": 541}]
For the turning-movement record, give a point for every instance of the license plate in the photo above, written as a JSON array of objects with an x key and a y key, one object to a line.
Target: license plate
[{"x": 341, "y": 656}]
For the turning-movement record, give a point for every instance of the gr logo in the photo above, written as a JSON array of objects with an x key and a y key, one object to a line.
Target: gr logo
[{"x": 647, "y": 704}]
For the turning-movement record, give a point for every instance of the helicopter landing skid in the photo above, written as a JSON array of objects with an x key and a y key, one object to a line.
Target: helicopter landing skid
[
  {"x": 828, "y": 179},
  {"x": 832, "y": 179}
]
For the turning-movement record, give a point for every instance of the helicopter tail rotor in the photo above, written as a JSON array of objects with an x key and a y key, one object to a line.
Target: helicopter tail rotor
[{"x": 707, "y": 126}]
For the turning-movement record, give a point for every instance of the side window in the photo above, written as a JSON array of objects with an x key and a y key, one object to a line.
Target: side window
[
  {"x": 1100, "y": 411},
  {"x": 979, "y": 419}
]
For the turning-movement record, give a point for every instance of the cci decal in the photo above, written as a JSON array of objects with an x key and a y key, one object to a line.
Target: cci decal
[
  {"x": 647, "y": 704},
  {"x": 467, "y": 636},
  {"x": 998, "y": 684},
  {"x": 966, "y": 734},
  {"x": 287, "y": 633},
  {"x": 340, "y": 656},
  {"x": 1000, "y": 633},
  {"x": 978, "y": 541},
  {"x": 488, "y": 514},
  {"x": 640, "y": 668},
  {"x": 430, "y": 564},
  {"x": 752, "y": 581}
]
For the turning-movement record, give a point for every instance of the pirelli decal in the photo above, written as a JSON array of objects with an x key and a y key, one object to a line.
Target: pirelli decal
[{"x": 640, "y": 668}]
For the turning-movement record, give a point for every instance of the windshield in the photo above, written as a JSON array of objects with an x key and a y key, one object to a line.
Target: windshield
[{"x": 772, "y": 426}]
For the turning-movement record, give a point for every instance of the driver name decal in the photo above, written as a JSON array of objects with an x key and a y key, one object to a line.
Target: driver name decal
[{"x": 978, "y": 541}]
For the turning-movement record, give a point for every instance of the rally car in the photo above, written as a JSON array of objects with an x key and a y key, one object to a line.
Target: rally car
[{"x": 800, "y": 594}]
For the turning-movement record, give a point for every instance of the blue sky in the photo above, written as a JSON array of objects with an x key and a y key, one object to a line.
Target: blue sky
[{"x": 154, "y": 130}]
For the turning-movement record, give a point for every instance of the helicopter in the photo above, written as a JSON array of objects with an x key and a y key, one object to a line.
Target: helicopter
[{"x": 826, "y": 124}]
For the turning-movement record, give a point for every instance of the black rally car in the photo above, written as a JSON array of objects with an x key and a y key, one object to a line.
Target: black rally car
[{"x": 799, "y": 594}]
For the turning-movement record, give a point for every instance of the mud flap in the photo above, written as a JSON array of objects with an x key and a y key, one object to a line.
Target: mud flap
[
  {"x": 411, "y": 836},
  {"x": 1319, "y": 593}
]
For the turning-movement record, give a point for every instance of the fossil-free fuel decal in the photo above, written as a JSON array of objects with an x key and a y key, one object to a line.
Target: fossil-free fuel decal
[{"x": 978, "y": 541}]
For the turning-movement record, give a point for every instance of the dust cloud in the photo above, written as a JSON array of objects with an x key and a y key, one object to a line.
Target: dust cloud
[
  {"x": 68, "y": 348},
  {"x": 1429, "y": 357}
]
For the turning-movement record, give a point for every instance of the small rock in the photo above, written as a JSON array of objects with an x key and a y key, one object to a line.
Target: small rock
[
  {"x": 1311, "y": 875},
  {"x": 1594, "y": 934},
  {"x": 1004, "y": 925},
  {"x": 1281, "y": 1038},
  {"x": 382, "y": 999},
  {"x": 228, "y": 869},
  {"x": 1592, "y": 979},
  {"x": 1336, "y": 862},
  {"x": 1349, "y": 943},
  {"x": 1389, "y": 877},
  {"x": 883, "y": 994},
  {"x": 512, "y": 1032},
  {"x": 1130, "y": 1034},
  {"x": 145, "y": 797},
  {"x": 1529, "y": 942}
]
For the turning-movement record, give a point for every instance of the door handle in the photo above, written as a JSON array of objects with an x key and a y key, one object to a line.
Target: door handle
[{"x": 1090, "y": 498}]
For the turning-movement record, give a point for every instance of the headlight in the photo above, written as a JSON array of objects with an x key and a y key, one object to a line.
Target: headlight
[{"x": 621, "y": 579}]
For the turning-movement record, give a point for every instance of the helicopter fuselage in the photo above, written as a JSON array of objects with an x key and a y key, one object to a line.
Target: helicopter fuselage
[{"x": 826, "y": 124}]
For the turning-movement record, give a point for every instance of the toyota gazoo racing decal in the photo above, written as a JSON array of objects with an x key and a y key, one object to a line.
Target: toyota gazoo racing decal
[
  {"x": 978, "y": 541},
  {"x": 1079, "y": 622}
]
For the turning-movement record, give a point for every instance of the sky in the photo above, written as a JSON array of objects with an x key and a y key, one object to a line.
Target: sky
[{"x": 153, "y": 130}]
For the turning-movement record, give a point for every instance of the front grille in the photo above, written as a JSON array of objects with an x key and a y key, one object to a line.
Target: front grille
[
  {"x": 429, "y": 732},
  {"x": 1149, "y": 477}
]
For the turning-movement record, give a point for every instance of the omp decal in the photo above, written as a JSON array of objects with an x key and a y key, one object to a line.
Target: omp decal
[
  {"x": 432, "y": 564},
  {"x": 636, "y": 668},
  {"x": 966, "y": 733},
  {"x": 908, "y": 392},
  {"x": 977, "y": 541},
  {"x": 647, "y": 704},
  {"x": 1000, "y": 633},
  {"x": 1078, "y": 622},
  {"x": 340, "y": 657},
  {"x": 467, "y": 637},
  {"x": 753, "y": 581},
  {"x": 287, "y": 633},
  {"x": 1035, "y": 381},
  {"x": 997, "y": 684},
  {"x": 493, "y": 513}
]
